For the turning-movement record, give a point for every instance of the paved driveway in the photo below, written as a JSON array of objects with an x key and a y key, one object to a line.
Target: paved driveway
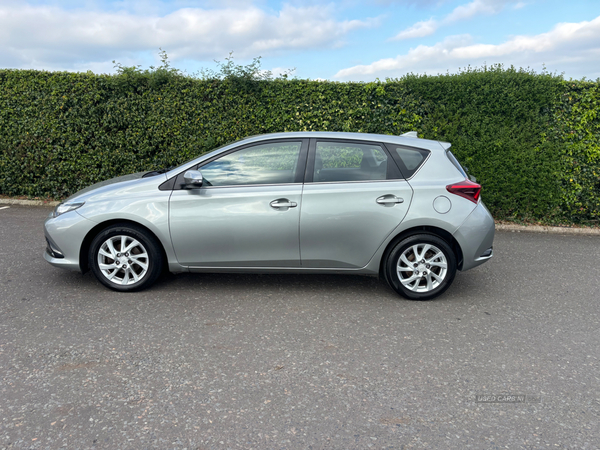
[{"x": 286, "y": 361}]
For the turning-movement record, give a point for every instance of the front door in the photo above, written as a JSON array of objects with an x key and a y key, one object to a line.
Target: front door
[{"x": 247, "y": 212}]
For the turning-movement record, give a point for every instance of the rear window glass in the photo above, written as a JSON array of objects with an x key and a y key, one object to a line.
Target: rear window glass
[
  {"x": 409, "y": 159},
  {"x": 454, "y": 161}
]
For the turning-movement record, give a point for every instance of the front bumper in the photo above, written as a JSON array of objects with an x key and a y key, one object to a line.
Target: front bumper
[
  {"x": 64, "y": 236},
  {"x": 476, "y": 237}
]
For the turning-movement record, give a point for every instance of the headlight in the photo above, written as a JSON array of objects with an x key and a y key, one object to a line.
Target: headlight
[{"x": 66, "y": 207}]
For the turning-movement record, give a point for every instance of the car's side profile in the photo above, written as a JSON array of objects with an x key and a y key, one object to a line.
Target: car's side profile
[{"x": 314, "y": 202}]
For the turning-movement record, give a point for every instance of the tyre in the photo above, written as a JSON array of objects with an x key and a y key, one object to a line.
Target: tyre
[
  {"x": 125, "y": 258},
  {"x": 420, "y": 267}
]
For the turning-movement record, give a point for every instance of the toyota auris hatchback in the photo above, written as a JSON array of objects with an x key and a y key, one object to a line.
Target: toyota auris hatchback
[{"x": 398, "y": 207}]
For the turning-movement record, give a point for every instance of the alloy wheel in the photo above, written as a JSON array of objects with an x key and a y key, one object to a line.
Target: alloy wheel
[
  {"x": 123, "y": 260},
  {"x": 422, "y": 267}
]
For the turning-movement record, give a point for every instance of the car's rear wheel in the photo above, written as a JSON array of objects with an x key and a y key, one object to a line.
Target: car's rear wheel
[
  {"x": 124, "y": 257},
  {"x": 421, "y": 267}
]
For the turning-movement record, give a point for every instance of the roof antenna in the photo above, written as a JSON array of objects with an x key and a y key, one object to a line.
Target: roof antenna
[{"x": 411, "y": 134}]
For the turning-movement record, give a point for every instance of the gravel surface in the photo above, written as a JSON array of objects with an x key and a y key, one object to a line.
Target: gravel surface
[{"x": 301, "y": 362}]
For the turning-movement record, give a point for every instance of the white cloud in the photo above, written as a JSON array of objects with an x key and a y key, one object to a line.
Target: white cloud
[
  {"x": 572, "y": 46},
  {"x": 419, "y": 29},
  {"x": 417, "y": 3},
  {"x": 476, "y": 8},
  {"x": 45, "y": 36},
  {"x": 461, "y": 12}
]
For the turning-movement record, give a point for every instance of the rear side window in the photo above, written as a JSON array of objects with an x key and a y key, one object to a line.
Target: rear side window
[
  {"x": 408, "y": 159},
  {"x": 338, "y": 161},
  {"x": 454, "y": 161}
]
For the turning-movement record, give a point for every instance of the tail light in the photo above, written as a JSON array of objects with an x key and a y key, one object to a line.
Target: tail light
[{"x": 466, "y": 189}]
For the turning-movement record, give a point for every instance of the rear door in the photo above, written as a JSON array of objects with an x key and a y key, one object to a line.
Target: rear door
[{"x": 354, "y": 196}]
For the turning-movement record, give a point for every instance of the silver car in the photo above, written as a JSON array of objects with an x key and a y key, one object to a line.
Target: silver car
[{"x": 398, "y": 207}]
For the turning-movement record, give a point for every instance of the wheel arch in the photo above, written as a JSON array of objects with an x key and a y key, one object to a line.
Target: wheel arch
[
  {"x": 436, "y": 231},
  {"x": 89, "y": 237}
]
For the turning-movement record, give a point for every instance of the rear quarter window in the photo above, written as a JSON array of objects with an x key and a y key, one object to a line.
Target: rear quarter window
[{"x": 408, "y": 159}]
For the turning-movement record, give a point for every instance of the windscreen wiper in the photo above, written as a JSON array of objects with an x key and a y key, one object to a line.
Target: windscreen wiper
[{"x": 156, "y": 172}]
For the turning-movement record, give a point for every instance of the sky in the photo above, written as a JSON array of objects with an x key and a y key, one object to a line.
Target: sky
[{"x": 350, "y": 40}]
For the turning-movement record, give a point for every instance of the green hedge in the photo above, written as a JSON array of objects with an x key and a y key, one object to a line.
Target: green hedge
[
  {"x": 532, "y": 140},
  {"x": 576, "y": 126}
]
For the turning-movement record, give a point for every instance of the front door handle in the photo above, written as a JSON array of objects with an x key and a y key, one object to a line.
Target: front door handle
[
  {"x": 283, "y": 203},
  {"x": 389, "y": 200}
]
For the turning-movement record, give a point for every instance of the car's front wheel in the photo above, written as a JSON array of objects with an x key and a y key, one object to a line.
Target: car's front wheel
[
  {"x": 124, "y": 257},
  {"x": 421, "y": 267}
]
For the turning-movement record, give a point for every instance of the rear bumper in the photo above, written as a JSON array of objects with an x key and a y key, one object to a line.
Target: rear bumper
[{"x": 476, "y": 237}]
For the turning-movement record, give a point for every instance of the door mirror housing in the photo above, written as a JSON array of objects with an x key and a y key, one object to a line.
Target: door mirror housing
[{"x": 193, "y": 179}]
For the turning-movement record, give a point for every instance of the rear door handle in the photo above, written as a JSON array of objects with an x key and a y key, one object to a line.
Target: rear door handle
[
  {"x": 389, "y": 200},
  {"x": 283, "y": 203}
]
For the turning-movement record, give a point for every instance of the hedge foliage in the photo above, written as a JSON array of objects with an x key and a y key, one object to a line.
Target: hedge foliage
[{"x": 532, "y": 140}]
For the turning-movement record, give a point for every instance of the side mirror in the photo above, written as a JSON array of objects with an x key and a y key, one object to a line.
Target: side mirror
[{"x": 193, "y": 179}]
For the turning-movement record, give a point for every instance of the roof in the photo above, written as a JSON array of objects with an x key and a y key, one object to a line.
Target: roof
[{"x": 408, "y": 141}]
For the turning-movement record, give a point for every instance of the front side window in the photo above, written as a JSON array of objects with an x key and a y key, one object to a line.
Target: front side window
[
  {"x": 274, "y": 163},
  {"x": 338, "y": 161}
]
